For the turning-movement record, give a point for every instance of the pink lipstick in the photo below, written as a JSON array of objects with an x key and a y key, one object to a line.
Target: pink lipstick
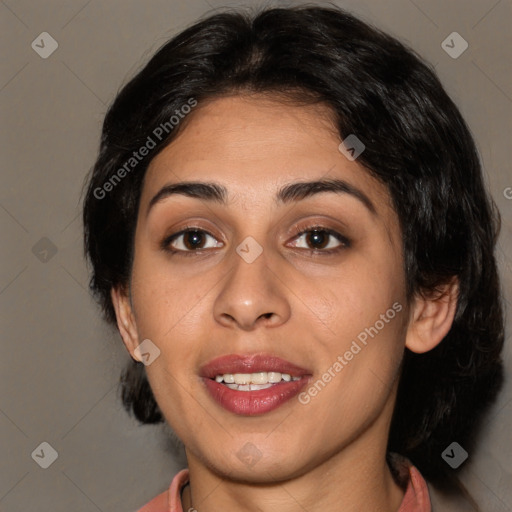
[{"x": 252, "y": 384}]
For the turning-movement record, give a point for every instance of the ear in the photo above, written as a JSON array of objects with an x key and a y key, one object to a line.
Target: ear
[
  {"x": 432, "y": 317},
  {"x": 125, "y": 319}
]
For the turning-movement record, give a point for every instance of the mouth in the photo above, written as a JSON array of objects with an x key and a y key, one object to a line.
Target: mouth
[
  {"x": 252, "y": 385},
  {"x": 254, "y": 381}
]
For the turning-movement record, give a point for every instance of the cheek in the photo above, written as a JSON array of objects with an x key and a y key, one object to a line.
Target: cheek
[
  {"x": 354, "y": 297},
  {"x": 171, "y": 311},
  {"x": 362, "y": 313},
  {"x": 358, "y": 374},
  {"x": 167, "y": 303}
]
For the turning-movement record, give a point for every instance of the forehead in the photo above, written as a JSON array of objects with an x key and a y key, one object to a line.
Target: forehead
[{"x": 254, "y": 145}]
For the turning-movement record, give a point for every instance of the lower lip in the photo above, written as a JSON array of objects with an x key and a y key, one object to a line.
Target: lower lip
[{"x": 251, "y": 403}]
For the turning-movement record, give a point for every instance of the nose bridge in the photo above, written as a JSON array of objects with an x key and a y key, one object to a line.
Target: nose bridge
[{"x": 251, "y": 290}]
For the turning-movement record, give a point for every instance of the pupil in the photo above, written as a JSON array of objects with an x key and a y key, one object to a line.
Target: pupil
[
  {"x": 317, "y": 238},
  {"x": 193, "y": 239}
]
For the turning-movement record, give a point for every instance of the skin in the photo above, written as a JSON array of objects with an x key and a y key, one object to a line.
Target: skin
[{"x": 304, "y": 306}]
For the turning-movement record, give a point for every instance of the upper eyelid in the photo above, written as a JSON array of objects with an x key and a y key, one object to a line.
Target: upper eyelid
[
  {"x": 296, "y": 231},
  {"x": 342, "y": 239},
  {"x": 177, "y": 234}
]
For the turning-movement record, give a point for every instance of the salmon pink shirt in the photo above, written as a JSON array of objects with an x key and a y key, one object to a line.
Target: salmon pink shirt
[{"x": 416, "y": 498}]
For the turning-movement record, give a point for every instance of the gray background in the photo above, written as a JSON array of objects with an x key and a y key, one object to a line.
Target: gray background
[{"x": 60, "y": 364}]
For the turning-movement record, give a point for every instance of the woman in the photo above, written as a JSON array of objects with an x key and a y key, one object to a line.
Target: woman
[{"x": 288, "y": 223}]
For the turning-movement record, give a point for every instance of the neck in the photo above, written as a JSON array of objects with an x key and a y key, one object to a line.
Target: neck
[{"x": 356, "y": 477}]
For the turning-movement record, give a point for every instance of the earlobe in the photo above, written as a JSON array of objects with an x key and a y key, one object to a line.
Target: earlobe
[
  {"x": 432, "y": 317},
  {"x": 125, "y": 319}
]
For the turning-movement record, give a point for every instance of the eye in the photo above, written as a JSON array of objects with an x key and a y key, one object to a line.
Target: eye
[
  {"x": 314, "y": 239},
  {"x": 318, "y": 238},
  {"x": 190, "y": 240}
]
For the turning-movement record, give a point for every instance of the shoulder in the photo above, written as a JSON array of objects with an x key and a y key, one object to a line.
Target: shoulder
[
  {"x": 170, "y": 499},
  {"x": 409, "y": 477}
]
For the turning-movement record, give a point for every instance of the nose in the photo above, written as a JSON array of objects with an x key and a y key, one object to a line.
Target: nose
[{"x": 252, "y": 295}]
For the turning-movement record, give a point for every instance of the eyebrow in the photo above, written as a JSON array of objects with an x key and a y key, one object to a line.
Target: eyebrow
[{"x": 297, "y": 191}]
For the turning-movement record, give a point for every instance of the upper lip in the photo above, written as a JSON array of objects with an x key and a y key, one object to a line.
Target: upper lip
[{"x": 237, "y": 363}]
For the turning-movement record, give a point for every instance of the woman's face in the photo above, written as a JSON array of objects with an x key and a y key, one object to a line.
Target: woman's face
[{"x": 256, "y": 279}]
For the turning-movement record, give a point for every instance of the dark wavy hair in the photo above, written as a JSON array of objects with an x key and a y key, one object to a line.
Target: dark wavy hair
[{"x": 417, "y": 144}]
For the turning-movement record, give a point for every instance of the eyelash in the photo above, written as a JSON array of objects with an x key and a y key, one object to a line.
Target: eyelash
[{"x": 299, "y": 230}]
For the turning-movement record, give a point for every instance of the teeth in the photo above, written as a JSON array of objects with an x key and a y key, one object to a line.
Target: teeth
[
  {"x": 255, "y": 387},
  {"x": 259, "y": 378},
  {"x": 256, "y": 380},
  {"x": 249, "y": 387},
  {"x": 242, "y": 378},
  {"x": 274, "y": 377}
]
